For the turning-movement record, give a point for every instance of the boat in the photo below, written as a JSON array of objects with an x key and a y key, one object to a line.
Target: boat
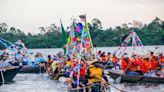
[
  {"x": 8, "y": 75},
  {"x": 134, "y": 79},
  {"x": 31, "y": 69},
  {"x": 96, "y": 88}
]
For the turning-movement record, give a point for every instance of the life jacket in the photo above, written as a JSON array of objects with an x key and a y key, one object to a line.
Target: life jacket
[
  {"x": 161, "y": 59},
  {"x": 103, "y": 59},
  {"x": 115, "y": 60},
  {"x": 135, "y": 65},
  {"x": 125, "y": 63},
  {"x": 154, "y": 65},
  {"x": 153, "y": 62},
  {"x": 96, "y": 71},
  {"x": 145, "y": 66}
]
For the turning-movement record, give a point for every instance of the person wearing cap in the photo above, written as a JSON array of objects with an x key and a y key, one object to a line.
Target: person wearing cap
[{"x": 95, "y": 74}]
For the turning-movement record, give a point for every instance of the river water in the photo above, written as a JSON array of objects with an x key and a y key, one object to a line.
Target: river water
[{"x": 42, "y": 82}]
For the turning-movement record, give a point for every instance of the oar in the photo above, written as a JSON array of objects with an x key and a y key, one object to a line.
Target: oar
[
  {"x": 117, "y": 88},
  {"x": 118, "y": 80}
]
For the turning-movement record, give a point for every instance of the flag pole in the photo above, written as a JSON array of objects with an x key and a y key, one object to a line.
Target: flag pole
[{"x": 86, "y": 25}]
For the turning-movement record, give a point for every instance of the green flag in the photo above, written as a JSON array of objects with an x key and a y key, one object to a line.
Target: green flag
[{"x": 64, "y": 37}]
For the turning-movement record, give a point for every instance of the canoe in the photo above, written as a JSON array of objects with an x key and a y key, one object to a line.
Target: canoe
[
  {"x": 134, "y": 79},
  {"x": 31, "y": 69},
  {"x": 8, "y": 75}
]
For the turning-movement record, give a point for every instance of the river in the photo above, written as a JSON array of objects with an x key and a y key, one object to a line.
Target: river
[{"x": 42, "y": 83}]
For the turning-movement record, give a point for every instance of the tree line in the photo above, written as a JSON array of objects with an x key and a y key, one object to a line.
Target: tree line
[{"x": 50, "y": 37}]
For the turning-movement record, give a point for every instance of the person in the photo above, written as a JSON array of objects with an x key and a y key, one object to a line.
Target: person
[
  {"x": 161, "y": 61},
  {"x": 125, "y": 61},
  {"x": 54, "y": 68},
  {"x": 99, "y": 53},
  {"x": 72, "y": 85},
  {"x": 145, "y": 66},
  {"x": 109, "y": 57},
  {"x": 68, "y": 66},
  {"x": 160, "y": 73},
  {"x": 18, "y": 54},
  {"x": 134, "y": 67},
  {"x": 103, "y": 58},
  {"x": 26, "y": 60},
  {"x": 3, "y": 64},
  {"x": 42, "y": 62},
  {"x": 95, "y": 75},
  {"x": 115, "y": 61},
  {"x": 48, "y": 65},
  {"x": 154, "y": 63}
]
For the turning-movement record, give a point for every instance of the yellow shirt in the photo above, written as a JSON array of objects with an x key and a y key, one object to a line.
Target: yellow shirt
[
  {"x": 54, "y": 65},
  {"x": 97, "y": 73}
]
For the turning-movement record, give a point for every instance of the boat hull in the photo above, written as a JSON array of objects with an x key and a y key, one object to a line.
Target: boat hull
[
  {"x": 30, "y": 69},
  {"x": 135, "y": 79},
  {"x": 9, "y": 75}
]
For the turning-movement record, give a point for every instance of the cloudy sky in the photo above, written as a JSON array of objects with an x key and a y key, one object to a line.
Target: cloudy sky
[{"x": 29, "y": 15}]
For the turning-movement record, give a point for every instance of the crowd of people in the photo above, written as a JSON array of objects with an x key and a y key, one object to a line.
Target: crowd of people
[
  {"x": 89, "y": 71},
  {"x": 92, "y": 69},
  {"x": 149, "y": 65}
]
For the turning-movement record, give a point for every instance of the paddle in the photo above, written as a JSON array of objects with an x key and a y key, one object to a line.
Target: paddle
[
  {"x": 117, "y": 88},
  {"x": 118, "y": 80}
]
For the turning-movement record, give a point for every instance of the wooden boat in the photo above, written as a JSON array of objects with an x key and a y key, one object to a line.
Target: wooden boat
[
  {"x": 94, "y": 89},
  {"x": 8, "y": 75},
  {"x": 31, "y": 69},
  {"x": 134, "y": 79}
]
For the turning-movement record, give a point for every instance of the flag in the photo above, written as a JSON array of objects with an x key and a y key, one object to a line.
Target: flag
[
  {"x": 82, "y": 17},
  {"x": 137, "y": 24},
  {"x": 64, "y": 34},
  {"x": 69, "y": 40},
  {"x": 64, "y": 37}
]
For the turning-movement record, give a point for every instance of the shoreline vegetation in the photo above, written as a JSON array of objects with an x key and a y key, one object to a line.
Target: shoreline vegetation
[
  {"x": 100, "y": 47},
  {"x": 51, "y": 36}
]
